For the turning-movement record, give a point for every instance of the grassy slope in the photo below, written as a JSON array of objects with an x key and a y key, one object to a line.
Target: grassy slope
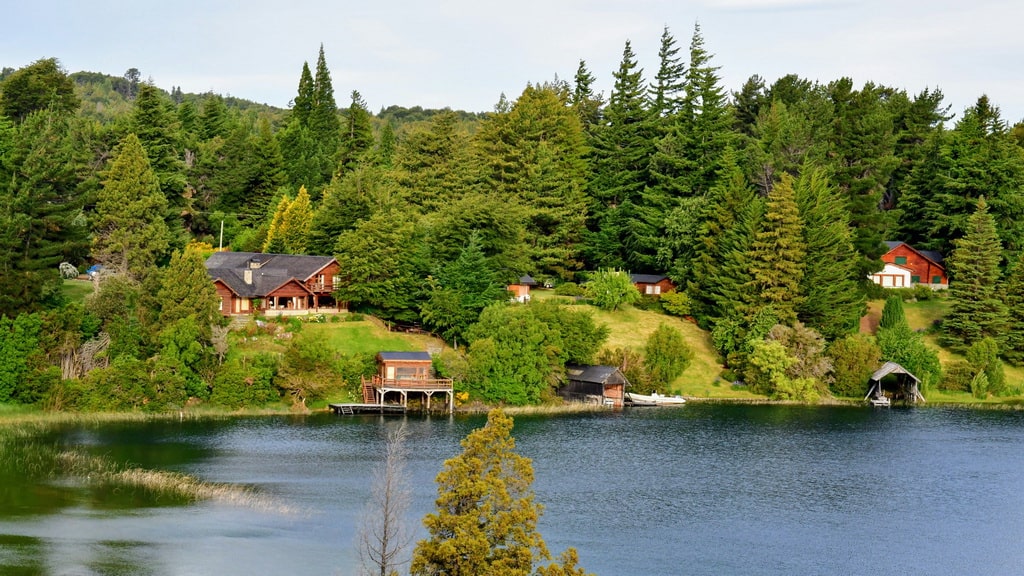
[
  {"x": 347, "y": 337},
  {"x": 923, "y": 316},
  {"x": 630, "y": 327}
]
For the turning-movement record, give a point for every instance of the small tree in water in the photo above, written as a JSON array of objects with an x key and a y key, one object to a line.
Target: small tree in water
[
  {"x": 384, "y": 536},
  {"x": 486, "y": 518}
]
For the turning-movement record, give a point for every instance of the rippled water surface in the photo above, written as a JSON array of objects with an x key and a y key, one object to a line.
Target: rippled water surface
[{"x": 701, "y": 489}]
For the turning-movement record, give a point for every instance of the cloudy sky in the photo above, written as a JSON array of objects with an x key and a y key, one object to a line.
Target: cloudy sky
[{"x": 464, "y": 54}]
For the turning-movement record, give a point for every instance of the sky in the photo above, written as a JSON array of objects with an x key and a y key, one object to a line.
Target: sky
[{"x": 464, "y": 54}]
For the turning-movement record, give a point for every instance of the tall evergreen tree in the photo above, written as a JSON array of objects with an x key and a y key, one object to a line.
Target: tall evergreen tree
[
  {"x": 357, "y": 139},
  {"x": 41, "y": 222},
  {"x": 39, "y": 86},
  {"x": 666, "y": 91},
  {"x": 585, "y": 102},
  {"x": 154, "y": 123},
  {"x": 833, "y": 302},
  {"x": 977, "y": 310},
  {"x": 129, "y": 233},
  {"x": 622, "y": 148},
  {"x": 533, "y": 155},
  {"x": 721, "y": 267},
  {"x": 777, "y": 257},
  {"x": 1013, "y": 289},
  {"x": 862, "y": 149},
  {"x": 433, "y": 163}
]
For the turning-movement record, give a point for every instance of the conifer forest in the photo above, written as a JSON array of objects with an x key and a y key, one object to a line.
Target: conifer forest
[{"x": 768, "y": 205}]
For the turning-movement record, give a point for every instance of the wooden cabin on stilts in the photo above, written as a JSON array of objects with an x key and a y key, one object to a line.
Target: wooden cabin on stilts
[{"x": 401, "y": 375}]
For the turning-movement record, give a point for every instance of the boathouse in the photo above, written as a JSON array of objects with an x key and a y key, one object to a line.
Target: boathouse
[
  {"x": 893, "y": 382},
  {"x": 604, "y": 385},
  {"x": 401, "y": 374}
]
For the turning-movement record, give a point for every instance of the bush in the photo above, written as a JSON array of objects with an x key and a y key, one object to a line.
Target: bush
[
  {"x": 854, "y": 358},
  {"x": 68, "y": 270},
  {"x": 247, "y": 382},
  {"x": 569, "y": 289},
  {"x": 957, "y": 377},
  {"x": 354, "y": 317},
  {"x": 676, "y": 303},
  {"x": 667, "y": 356},
  {"x": 649, "y": 303},
  {"x": 293, "y": 325}
]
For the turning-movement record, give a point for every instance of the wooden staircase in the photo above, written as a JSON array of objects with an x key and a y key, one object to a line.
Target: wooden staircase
[{"x": 369, "y": 394}]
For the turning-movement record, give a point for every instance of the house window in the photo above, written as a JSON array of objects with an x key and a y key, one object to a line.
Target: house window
[
  {"x": 649, "y": 289},
  {"x": 936, "y": 279},
  {"x": 901, "y": 260},
  {"x": 915, "y": 279}
]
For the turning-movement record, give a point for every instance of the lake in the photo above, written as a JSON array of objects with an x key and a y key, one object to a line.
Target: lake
[{"x": 699, "y": 489}]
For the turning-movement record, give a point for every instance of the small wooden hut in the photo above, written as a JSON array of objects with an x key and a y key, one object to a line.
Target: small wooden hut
[
  {"x": 893, "y": 382},
  {"x": 402, "y": 373},
  {"x": 603, "y": 385}
]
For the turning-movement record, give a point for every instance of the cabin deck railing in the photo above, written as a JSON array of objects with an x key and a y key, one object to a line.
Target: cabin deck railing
[{"x": 412, "y": 383}]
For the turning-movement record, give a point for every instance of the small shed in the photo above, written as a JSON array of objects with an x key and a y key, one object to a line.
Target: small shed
[
  {"x": 604, "y": 385},
  {"x": 404, "y": 365},
  {"x": 652, "y": 284},
  {"x": 901, "y": 386},
  {"x": 521, "y": 289}
]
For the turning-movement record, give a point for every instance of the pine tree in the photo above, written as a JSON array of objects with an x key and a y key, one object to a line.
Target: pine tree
[
  {"x": 302, "y": 105},
  {"x": 154, "y": 124},
  {"x": 721, "y": 266},
  {"x": 274, "y": 242},
  {"x": 893, "y": 315},
  {"x": 433, "y": 163},
  {"x": 460, "y": 291},
  {"x": 777, "y": 257},
  {"x": 977, "y": 311},
  {"x": 39, "y": 86},
  {"x": 666, "y": 90},
  {"x": 1013, "y": 291},
  {"x": 294, "y": 228},
  {"x": 186, "y": 291},
  {"x": 486, "y": 518},
  {"x": 586, "y": 104},
  {"x": 833, "y": 301},
  {"x": 863, "y": 159},
  {"x": 41, "y": 223},
  {"x": 533, "y": 155},
  {"x": 129, "y": 232},
  {"x": 622, "y": 148},
  {"x": 358, "y": 136}
]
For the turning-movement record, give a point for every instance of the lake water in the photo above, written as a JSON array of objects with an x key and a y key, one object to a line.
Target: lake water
[{"x": 701, "y": 489}]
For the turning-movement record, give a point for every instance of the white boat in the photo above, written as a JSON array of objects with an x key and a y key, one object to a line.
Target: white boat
[
  {"x": 880, "y": 401},
  {"x": 654, "y": 399}
]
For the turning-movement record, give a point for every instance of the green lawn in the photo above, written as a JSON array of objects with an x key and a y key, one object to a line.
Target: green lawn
[
  {"x": 76, "y": 290},
  {"x": 369, "y": 336}
]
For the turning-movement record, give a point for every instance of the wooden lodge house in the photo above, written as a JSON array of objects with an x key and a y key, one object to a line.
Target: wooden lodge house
[
  {"x": 280, "y": 284},
  {"x": 906, "y": 266},
  {"x": 403, "y": 373},
  {"x": 604, "y": 385}
]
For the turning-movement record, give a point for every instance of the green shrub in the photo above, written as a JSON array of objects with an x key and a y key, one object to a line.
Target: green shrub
[
  {"x": 957, "y": 377},
  {"x": 247, "y": 382},
  {"x": 569, "y": 289},
  {"x": 293, "y": 325},
  {"x": 676, "y": 303},
  {"x": 854, "y": 358},
  {"x": 354, "y": 317},
  {"x": 666, "y": 356}
]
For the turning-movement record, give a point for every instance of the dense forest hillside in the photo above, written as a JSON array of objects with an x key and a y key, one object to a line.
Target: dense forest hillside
[{"x": 768, "y": 205}]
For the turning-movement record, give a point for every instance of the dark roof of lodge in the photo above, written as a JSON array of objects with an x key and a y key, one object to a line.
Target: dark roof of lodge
[
  {"x": 591, "y": 373},
  {"x": 646, "y": 278},
  {"x": 269, "y": 271},
  {"x": 404, "y": 356},
  {"x": 527, "y": 280},
  {"x": 929, "y": 254}
]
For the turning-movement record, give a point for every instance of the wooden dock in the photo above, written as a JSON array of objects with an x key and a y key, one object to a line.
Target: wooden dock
[{"x": 367, "y": 408}]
